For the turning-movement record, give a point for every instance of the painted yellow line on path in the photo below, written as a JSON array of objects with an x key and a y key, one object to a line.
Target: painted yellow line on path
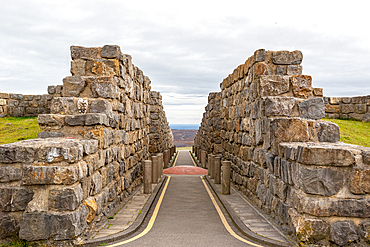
[
  {"x": 223, "y": 219},
  {"x": 191, "y": 157},
  {"x": 152, "y": 219},
  {"x": 177, "y": 155}
]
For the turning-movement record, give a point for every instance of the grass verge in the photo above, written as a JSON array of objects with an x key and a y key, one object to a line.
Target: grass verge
[
  {"x": 13, "y": 129},
  {"x": 353, "y": 132},
  {"x": 183, "y": 148}
]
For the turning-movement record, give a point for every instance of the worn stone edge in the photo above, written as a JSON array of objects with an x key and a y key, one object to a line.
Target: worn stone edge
[
  {"x": 240, "y": 225},
  {"x": 135, "y": 226}
]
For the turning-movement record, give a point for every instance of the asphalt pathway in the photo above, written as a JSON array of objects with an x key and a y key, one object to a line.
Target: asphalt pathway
[{"x": 185, "y": 215}]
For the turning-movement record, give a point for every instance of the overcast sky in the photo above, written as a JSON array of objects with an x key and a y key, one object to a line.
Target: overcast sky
[{"x": 185, "y": 47}]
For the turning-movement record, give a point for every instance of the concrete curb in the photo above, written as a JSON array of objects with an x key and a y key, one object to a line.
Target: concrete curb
[
  {"x": 240, "y": 225},
  {"x": 135, "y": 226}
]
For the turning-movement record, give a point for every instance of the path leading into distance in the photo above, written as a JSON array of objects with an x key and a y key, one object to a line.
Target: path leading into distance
[{"x": 186, "y": 214}]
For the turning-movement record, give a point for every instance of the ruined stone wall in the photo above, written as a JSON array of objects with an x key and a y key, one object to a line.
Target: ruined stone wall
[
  {"x": 209, "y": 133},
  {"x": 160, "y": 133},
  {"x": 285, "y": 159},
  {"x": 89, "y": 154},
  {"x": 19, "y": 105},
  {"x": 348, "y": 107}
]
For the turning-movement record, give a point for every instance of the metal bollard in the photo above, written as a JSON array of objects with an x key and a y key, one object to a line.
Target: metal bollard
[
  {"x": 166, "y": 158},
  {"x": 203, "y": 158},
  {"x": 147, "y": 176},
  {"x": 217, "y": 169},
  {"x": 154, "y": 169},
  {"x": 160, "y": 165},
  {"x": 226, "y": 167}
]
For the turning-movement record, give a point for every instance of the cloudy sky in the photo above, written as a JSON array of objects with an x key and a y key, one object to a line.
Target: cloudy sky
[{"x": 185, "y": 47}]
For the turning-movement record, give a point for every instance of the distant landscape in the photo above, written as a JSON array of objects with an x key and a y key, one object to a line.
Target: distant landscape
[{"x": 184, "y": 134}]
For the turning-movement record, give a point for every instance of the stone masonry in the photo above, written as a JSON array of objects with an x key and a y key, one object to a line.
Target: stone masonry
[
  {"x": 348, "y": 107},
  {"x": 160, "y": 133},
  {"x": 284, "y": 158},
  {"x": 89, "y": 155}
]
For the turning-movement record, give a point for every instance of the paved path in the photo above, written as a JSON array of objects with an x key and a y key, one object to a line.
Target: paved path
[
  {"x": 186, "y": 216},
  {"x": 184, "y": 165}
]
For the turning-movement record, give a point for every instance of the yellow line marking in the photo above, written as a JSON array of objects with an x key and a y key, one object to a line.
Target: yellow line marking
[
  {"x": 223, "y": 219},
  {"x": 177, "y": 155},
  {"x": 152, "y": 219},
  {"x": 191, "y": 157}
]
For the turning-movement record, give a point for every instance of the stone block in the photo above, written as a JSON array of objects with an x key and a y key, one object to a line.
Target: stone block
[
  {"x": 14, "y": 198},
  {"x": 16, "y": 96},
  {"x": 329, "y": 132},
  {"x": 318, "y": 92},
  {"x": 332, "y": 108},
  {"x": 65, "y": 198},
  {"x": 312, "y": 230},
  {"x": 3, "y": 102},
  {"x": 78, "y": 52},
  {"x": 302, "y": 85},
  {"x": 10, "y": 173},
  {"x": 111, "y": 51},
  {"x": 104, "y": 87},
  {"x": 17, "y": 153},
  {"x": 273, "y": 85},
  {"x": 321, "y": 181},
  {"x": 96, "y": 183},
  {"x": 4, "y": 96},
  {"x": 347, "y": 108},
  {"x": 343, "y": 232},
  {"x": 63, "y": 106},
  {"x": 327, "y": 207},
  {"x": 78, "y": 67},
  {"x": 359, "y": 180},
  {"x": 73, "y": 86},
  {"x": 58, "y": 226},
  {"x": 325, "y": 156},
  {"x": 50, "y": 175},
  {"x": 360, "y": 108},
  {"x": 294, "y": 70},
  {"x": 287, "y": 58},
  {"x": 92, "y": 206},
  {"x": 288, "y": 130},
  {"x": 346, "y": 100},
  {"x": 87, "y": 119},
  {"x": 9, "y": 225},
  {"x": 279, "y": 106},
  {"x": 312, "y": 108}
]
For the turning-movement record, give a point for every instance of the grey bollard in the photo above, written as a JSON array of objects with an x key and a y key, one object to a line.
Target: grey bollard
[
  {"x": 192, "y": 149},
  {"x": 160, "y": 165},
  {"x": 166, "y": 158},
  {"x": 226, "y": 167},
  {"x": 203, "y": 158},
  {"x": 213, "y": 165},
  {"x": 154, "y": 169},
  {"x": 147, "y": 176},
  {"x": 210, "y": 166},
  {"x": 217, "y": 169}
]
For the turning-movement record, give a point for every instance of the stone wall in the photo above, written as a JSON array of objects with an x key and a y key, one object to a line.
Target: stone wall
[
  {"x": 209, "y": 133},
  {"x": 285, "y": 159},
  {"x": 348, "y": 107},
  {"x": 89, "y": 154},
  {"x": 160, "y": 133},
  {"x": 19, "y": 105}
]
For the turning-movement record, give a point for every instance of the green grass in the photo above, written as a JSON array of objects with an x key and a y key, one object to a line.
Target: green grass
[
  {"x": 13, "y": 129},
  {"x": 15, "y": 242},
  {"x": 183, "y": 148},
  {"x": 353, "y": 132}
]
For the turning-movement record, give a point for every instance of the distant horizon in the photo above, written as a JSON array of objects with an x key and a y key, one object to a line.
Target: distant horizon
[{"x": 185, "y": 126}]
